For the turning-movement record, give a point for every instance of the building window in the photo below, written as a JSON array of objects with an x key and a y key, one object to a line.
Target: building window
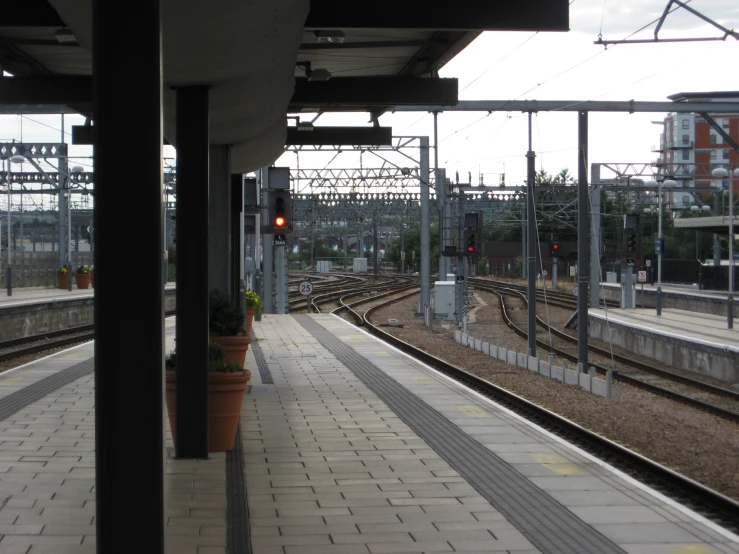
[
  {"x": 713, "y": 154},
  {"x": 686, "y": 200},
  {"x": 712, "y": 139},
  {"x": 686, "y": 124},
  {"x": 725, "y": 123},
  {"x": 726, "y": 154},
  {"x": 686, "y": 155},
  {"x": 686, "y": 139}
]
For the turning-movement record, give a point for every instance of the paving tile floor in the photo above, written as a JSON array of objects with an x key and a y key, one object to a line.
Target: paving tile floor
[
  {"x": 47, "y": 474},
  {"x": 330, "y": 468}
]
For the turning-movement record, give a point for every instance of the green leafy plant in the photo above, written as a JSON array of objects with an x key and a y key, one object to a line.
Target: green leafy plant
[
  {"x": 216, "y": 360},
  {"x": 64, "y": 270},
  {"x": 82, "y": 270},
  {"x": 225, "y": 318}
]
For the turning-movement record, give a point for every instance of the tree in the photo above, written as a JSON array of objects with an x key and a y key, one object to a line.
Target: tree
[{"x": 412, "y": 241}]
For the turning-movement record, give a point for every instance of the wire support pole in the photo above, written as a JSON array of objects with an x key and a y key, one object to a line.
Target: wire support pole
[
  {"x": 583, "y": 203},
  {"x": 730, "y": 298},
  {"x": 659, "y": 252},
  {"x": 425, "y": 226},
  {"x": 531, "y": 249}
]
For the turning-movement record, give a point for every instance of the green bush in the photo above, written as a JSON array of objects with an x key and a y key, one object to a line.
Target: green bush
[
  {"x": 225, "y": 318},
  {"x": 216, "y": 360}
]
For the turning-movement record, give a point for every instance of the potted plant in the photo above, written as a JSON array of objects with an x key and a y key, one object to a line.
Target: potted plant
[
  {"x": 226, "y": 322},
  {"x": 253, "y": 303},
  {"x": 62, "y": 275},
  {"x": 226, "y": 385},
  {"x": 83, "y": 277}
]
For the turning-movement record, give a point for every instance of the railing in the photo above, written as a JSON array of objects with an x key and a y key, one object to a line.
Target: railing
[
  {"x": 37, "y": 269},
  {"x": 680, "y": 144}
]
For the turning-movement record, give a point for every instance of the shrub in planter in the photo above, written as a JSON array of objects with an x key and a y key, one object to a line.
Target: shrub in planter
[
  {"x": 62, "y": 275},
  {"x": 83, "y": 276},
  {"x": 226, "y": 385},
  {"x": 226, "y": 323}
]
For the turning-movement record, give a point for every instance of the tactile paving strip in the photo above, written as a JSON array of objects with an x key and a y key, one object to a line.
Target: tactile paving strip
[
  {"x": 22, "y": 398},
  {"x": 264, "y": 372},
  {"x": 237, "y": 511},
  {"x": 542, "y": 520}
]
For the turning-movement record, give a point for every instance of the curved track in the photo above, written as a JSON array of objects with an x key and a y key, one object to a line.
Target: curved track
[
  {"x": 689, "y": 391},
  {"x": 710, "y": 503}
]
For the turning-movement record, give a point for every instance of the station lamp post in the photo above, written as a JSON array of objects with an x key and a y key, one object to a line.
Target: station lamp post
[
  {"x": 660, "y": 246},
  {"x": 723, "y": 173}
]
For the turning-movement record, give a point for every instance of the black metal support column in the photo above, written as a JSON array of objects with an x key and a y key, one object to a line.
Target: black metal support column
[
  {"x": 193, "y": 159},
  {"x": 237, "y": 231},
  {"x": 129, "y": 321},
  {"x": 583, "y": 229}
]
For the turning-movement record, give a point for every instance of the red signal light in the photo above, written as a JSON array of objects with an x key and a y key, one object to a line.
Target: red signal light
[
  {"x": 470, "y": 249},
  {"x": 555, "y": 246},
  {"x": 279, "y": 221}
]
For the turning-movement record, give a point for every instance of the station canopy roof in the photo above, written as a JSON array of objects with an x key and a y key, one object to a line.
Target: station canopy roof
[
  {"x": 712, "y": 224},
  {"x": 253, "y": 54}
]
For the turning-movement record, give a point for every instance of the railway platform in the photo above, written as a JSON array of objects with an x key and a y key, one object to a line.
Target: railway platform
[
  {"x": 346, "y": 445},
  {"x": 682, "y": 339},
  {"x": 36, "y": 295}
]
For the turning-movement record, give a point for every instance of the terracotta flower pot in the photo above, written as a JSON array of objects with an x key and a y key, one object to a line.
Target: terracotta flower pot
[
  {"x": 225, "y": 395},
  {"x": 63, "y": 279},
  {"x": 92, "y": 280},
  {"x": 235, "y": 347},
  {"x": 83, "y": 281},
  {"x": 250, "y": 311}
]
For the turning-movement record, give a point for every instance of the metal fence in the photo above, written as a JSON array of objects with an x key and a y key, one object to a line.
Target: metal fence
[{"x": 38, "y": 269}]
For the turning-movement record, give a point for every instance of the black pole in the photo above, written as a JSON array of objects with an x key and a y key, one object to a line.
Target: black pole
[
  {"x": 193, "y": 160},
  {"x": 129, "y": 321},
  {"x": 583, "y": 209}
]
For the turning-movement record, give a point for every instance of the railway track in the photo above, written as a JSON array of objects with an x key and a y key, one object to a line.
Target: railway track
[
  {"x": 552, "y": 297},
  {"x": 710, "y": 503},
  {"x": 686, "y": 390},
  {"x": 26, "y": 346}
]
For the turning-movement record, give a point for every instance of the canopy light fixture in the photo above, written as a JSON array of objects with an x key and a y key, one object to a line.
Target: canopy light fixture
[
  {"x": 329, "y": 37},
  {"x": 305, "y": 126},
  {"x": 17, "y": 159},
  {"x": 64, "y": 35}
]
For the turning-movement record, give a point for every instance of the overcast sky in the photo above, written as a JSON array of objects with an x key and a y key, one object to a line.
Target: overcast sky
[{"x": 543, "y": 66}]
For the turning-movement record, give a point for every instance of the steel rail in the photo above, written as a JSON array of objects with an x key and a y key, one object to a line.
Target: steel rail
[{"x": 618, "y": 376}]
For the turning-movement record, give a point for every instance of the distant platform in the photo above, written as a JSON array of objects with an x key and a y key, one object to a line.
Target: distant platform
[{"x": 682, "y": 339}]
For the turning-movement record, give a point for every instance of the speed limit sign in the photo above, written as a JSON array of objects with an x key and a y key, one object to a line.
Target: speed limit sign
[{"x": 305, "y": 288}]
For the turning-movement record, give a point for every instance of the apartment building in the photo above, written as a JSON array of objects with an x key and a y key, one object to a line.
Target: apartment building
[{"x": 690, "y": 147}]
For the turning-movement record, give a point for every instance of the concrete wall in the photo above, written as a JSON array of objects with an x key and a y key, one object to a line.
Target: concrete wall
[
  {"x": 32, "y": 319},
  {"x": 688, "y": 301},
  {"x": 714, "y": 361}
]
